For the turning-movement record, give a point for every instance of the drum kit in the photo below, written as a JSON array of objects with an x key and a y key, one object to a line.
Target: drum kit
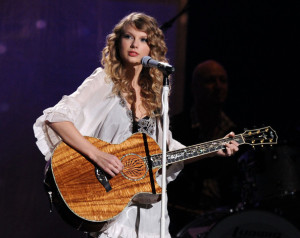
[{"x": 270, "y": 201}]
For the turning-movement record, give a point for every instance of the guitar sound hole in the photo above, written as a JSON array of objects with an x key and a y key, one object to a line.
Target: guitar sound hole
[{"x": 135, "y": 167}]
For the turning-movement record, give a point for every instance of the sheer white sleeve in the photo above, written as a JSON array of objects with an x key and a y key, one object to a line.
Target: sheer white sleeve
[{"x": 81, "y": 108}]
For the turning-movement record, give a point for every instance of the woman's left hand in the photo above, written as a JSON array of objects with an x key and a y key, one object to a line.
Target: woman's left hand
[{"x": 230, "y": 148}]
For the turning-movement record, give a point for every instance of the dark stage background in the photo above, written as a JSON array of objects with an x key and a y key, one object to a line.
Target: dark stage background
[{"x": 47, "y": 48}]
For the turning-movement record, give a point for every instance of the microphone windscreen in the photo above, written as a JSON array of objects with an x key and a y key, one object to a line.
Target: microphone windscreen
[{"x": 145, "y": 60}]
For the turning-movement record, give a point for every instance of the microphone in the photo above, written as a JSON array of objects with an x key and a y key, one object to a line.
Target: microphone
[{"x": 147, "y": 61}]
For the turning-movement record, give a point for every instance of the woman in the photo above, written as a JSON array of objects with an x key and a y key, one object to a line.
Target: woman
[{"x": 111, "y": 104}]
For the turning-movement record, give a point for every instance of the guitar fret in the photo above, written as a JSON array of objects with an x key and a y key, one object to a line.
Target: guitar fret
[
  {"x": 200, "y": 149},
  {"x": 194, "y": 151}
]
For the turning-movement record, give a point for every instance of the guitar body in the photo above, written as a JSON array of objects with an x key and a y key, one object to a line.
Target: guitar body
[{"x": 78, "y": 194}]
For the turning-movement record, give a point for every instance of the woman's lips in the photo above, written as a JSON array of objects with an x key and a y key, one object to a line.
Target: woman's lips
[{"x": 133, "y": 53}]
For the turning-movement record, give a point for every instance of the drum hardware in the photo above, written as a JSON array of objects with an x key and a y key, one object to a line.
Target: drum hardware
[
  {"x": 246, "y": 224},
  {"x": 203, "y": 223},
  {"x": 269, "y": 174}
]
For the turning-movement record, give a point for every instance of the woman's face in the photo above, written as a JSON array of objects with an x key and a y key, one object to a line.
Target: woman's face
[{"x": 133, "y": 46}]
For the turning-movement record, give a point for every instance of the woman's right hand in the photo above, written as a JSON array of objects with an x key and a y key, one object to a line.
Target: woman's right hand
[{"x": 108, "y": 162}]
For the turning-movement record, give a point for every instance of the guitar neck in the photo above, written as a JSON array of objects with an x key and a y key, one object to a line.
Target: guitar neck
[{"x": 194, "y": 151}]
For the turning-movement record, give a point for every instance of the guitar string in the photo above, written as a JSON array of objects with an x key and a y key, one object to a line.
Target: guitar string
[
  {"x": 195, "y": 148},
  {"x": 209, "y": 144}
]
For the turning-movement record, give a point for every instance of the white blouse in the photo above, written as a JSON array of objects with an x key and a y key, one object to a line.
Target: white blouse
[{"x": 97, "y": 112}]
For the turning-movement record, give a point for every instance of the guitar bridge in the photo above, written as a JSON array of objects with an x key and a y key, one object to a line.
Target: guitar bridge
[{"x": 100, "y": 175}]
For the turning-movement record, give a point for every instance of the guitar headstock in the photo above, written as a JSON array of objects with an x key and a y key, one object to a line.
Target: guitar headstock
[{"x": 261, "y": 136}]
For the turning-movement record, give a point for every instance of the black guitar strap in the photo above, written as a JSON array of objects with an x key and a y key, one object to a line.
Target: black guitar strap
[{"x": 149, "y": 161}]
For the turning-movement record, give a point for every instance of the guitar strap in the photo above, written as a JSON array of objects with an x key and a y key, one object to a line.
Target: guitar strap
[{"x": 149, "y": 161}]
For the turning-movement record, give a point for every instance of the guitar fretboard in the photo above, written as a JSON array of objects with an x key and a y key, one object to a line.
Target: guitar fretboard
[{"x": 194, "y": 151}]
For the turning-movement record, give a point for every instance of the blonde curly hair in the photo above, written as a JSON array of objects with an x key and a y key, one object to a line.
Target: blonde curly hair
[{"x": 151, "y": 79}]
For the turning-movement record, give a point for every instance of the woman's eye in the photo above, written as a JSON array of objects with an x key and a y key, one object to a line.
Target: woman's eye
[
  {"x": 126, "y": 36},
  {"x": 144, "y": 40}
]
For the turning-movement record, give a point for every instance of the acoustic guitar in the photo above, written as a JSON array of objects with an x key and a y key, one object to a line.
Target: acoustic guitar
[{"x": 86, "y": 197}]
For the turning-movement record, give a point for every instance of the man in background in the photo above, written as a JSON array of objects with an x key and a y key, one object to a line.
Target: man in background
[{"x": 211, "y": 183}]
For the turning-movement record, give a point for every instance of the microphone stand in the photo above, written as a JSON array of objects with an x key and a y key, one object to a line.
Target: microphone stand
[
  {"x": 169, "y": 23},
  {"x": 165, "y": 110}
]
